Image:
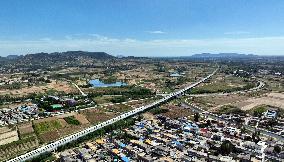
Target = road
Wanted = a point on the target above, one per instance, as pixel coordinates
(83, 94)
(54, 145)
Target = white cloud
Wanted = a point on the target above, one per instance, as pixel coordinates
(156, 32)
(157, 47)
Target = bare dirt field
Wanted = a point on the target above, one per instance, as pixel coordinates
(276, 95)
(49, 136)
(67, 130)
(57, 86)
(9, 140)
(4, 129)
(8, 136)
(66, 115)
(45, 119)
(63, 123)
(176, 112)
(82, 119)
(119, 108)
(25, 128)
(272, 99)
(213, 102)
(96, 115)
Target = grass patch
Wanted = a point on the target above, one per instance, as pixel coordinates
(230, 84)
(258, 110)
(45, 157)
(102, 99)
(47, 126)
(27, 135)
(119, 108)
(96, 116)
(229, 109)
(72, 120)
(158, 110)
(118, 99)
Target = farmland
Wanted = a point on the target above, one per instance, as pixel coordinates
(225, 84)
(47, 126)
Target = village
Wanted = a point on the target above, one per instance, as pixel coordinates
(159, 138)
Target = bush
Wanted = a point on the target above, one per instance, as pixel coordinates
(110, 80)
(43, 158)
(118, 99)
(127, 91)
(72, 120)
(258, 111)
(226, 148)
(156, 111)
(229, 109)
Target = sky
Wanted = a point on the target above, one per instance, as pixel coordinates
(142, 27)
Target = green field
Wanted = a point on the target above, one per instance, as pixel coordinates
(47, 126)
(228, 84)
(120, 108)
(229, 109)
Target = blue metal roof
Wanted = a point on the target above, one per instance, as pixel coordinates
(125, 159)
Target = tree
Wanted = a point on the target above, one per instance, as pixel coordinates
(259, 111)
(255, 136)
(226, 148)
(208, 123)
(196, 117)
(277, 149)
(243, 129)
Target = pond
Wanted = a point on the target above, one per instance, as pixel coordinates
(98, 83)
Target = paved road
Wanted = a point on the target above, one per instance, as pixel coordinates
(54, 145)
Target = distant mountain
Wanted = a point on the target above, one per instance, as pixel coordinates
(120, 56)
(57, 59)
(70, 54)
(12, 57)
(222, 55)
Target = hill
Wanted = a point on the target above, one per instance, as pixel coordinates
(12, 56)
(31, 62)
(222, 55)
(69, 55)
(56, 58)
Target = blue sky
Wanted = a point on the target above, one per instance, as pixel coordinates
(142, 27)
